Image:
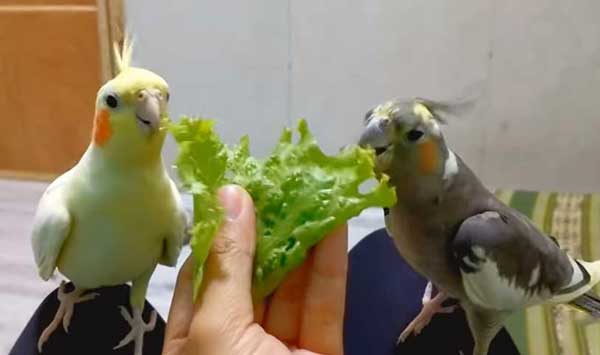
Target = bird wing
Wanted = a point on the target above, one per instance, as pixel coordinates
(174, 240)
(507, 263)
(51, 227)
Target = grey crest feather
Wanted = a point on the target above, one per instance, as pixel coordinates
(456, 107)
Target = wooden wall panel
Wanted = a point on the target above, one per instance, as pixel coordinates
(49, 75)
(111, 19)
(24, 3)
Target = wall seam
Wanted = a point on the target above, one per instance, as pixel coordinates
(488, 110)
(289, 63)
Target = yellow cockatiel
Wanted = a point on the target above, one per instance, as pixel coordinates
(116, 214)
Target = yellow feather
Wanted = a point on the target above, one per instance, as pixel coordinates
(123, 55)
(385, 110)
(422, 111)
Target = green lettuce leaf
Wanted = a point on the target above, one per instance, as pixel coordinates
(300, 194)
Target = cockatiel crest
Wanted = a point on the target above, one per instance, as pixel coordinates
(122, 56)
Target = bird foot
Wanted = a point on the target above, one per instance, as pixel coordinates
(430, 308)
(65, 311)
(138, 328)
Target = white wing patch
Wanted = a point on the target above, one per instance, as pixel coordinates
(487, 288)
(451, 166)
(479, 252)
(593, 269)
(577, 276)
(486, 216)
(535, 276)
(468, 261)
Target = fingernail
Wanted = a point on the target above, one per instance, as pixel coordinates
(231, 199)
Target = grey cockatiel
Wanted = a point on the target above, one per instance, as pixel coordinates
(455, 232)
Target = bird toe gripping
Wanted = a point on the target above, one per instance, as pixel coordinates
(65, 311)
(138, 328)
(430, 308)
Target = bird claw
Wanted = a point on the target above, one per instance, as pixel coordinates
(150, 325)
(88, 297)
(430, 308)
(138, 328)
(126, 315)
(447, 310)
(64, 313)
(61, 294)
(128, 338)
(66, 321)
(413, 327)
(71, 300)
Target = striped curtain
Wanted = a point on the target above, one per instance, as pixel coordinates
(574, 220)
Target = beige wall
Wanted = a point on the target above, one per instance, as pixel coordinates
(259, 65)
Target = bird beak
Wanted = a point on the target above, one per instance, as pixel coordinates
(148, 110)
(375, 135)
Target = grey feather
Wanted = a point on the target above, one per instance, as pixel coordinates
(456, 107)
(516, 246)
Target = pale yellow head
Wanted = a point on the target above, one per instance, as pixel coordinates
(129, 111)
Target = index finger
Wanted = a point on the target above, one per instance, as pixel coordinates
(322, 325)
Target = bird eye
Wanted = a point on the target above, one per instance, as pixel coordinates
(413, 135)
(111, 101)
(167, 96)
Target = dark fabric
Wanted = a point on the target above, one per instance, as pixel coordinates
(384, 294)
(96, 327)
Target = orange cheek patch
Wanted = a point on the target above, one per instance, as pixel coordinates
(428, 157)
(102, 130)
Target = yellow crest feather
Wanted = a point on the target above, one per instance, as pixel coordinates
(123, 55)
(422, 111)
(385, 110)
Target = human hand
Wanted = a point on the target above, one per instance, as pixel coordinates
(304, 316)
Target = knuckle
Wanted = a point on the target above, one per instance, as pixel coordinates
(224, 245)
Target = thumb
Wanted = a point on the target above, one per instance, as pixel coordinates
(224, 305)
